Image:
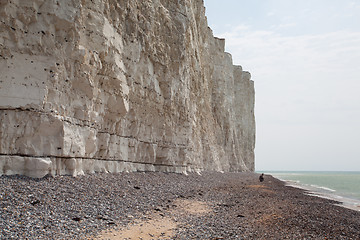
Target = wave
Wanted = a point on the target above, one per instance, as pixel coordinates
(311, 187)
(325, 192)
(323, 188)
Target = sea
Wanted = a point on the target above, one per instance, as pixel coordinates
(343, 187)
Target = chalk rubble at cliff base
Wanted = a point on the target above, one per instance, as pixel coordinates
(109, 86)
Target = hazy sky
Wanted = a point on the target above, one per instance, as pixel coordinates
(304, 56)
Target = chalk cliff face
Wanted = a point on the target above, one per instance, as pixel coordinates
(109, 86)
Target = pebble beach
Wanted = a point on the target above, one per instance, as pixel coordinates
(168, 206)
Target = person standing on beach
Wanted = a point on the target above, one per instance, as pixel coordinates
(261, 178)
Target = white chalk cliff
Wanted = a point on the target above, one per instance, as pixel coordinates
(109, 86)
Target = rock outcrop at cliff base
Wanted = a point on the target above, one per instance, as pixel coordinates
(110, 86)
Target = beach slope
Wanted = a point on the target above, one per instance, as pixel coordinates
(167, 206)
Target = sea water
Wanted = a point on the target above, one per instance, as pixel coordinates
(340, 186)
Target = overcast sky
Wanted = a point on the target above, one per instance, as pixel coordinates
(304, 56)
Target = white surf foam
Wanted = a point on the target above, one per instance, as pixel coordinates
(323, 188)
(327, 193)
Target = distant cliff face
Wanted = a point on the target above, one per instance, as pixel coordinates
(109, 86)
